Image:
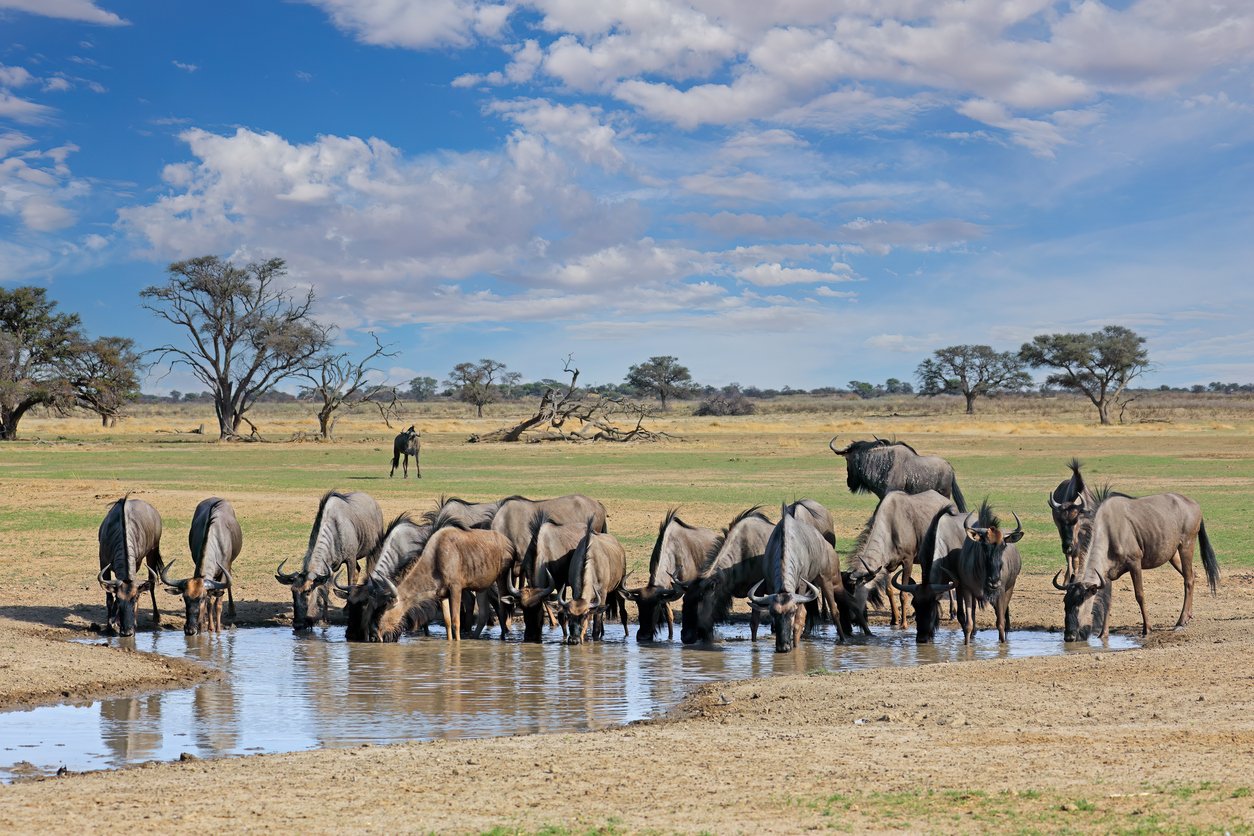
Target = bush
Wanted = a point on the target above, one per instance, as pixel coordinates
(726, 403)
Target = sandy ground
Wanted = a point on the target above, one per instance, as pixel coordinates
(1157, 737)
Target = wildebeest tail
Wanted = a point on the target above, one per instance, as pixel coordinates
(396, 456)
(958, 498)
(1209, 562)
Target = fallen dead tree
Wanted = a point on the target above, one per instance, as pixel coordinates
(574, 414)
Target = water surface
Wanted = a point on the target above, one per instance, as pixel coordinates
(285, 692)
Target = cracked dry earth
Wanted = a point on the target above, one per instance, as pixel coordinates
(1153, 738)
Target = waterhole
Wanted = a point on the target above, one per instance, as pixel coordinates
(283, 692)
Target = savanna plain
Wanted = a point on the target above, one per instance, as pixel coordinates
(1159, 738)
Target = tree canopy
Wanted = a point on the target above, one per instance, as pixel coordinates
(662, 376)
(476, 383)
(971, 371)
(1099, 364)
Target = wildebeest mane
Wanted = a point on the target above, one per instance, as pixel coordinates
(865, 534)
(671, 517)
(518, 497)
(986, 518)
(447, 519)
(322, 505)
(430, 516)
(707, 563)
(124, 546)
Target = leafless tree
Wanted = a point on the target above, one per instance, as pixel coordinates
(337, 383)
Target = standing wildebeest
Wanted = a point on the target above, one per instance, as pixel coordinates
(597, 570)
(677, 556)
(402, 544)
(215, 540)
(937, 559)
(471, 514)
(408, 443)
(1129, 536)
(515, 515)
(1066, 503)
(891, 539)
(454, 560)
(881, 466)
(130, 539)
(731, 567)
(543, 567)
(348, 527)
(796, 555)
(986, 570)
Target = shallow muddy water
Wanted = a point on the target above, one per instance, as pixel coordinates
(285, 693)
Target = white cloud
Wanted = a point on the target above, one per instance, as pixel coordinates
(82, 10)
(777, 275)
(37, 186)
(187, 68)
(22, 110)
(577, 127)
(417, 25)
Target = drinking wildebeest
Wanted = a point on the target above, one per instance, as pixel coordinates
(881, 466)
(408, 443)
(796, 555)
(731, 567)
(472, 514)
(515, 515)
(403, 543)
(348, 527)
(215, 540)
(544, 567)
(130, 540)
(937, 559)
(1130, 536)
(891, 539)
(455, 559)
(677, 556)
(597, 569)
(986, 570)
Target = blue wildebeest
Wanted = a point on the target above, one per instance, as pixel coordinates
(1129, 536)
(543, 568)
(215, 540)
(677, 556)
(454, 559)
(598, 567)
(408, 443)
(1066, 504)
(986, 569)
(403, 543)
(730, 569)
(891, 540)
(130, 545)
(881, 466)
(797, 557)
(348, 527)
(937, 559)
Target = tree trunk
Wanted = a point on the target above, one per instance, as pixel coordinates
(326, 424)
(663, 399)
(1103, 411)
(479, 410)
(970, 396)
(9, 419)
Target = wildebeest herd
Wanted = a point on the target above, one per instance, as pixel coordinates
(468, 564)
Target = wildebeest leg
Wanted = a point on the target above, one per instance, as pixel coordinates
(548, 615)
(906, 566)
(1140, 597)
(452, 615)
(962, 615)
(892, 609)
(1185, 568)
(798, 626)
(755, 619)
(953, 608)
(670, 621)
(417, 467)
(1002, 626)
(404, 465)
(829, 601)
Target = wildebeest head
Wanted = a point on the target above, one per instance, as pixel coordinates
(926, 598)
(578, 613)
(195, 592)
(364, 607)
(866, 462)
(305, 610)
(783, 608)
(1078, 604)
(989, 542)
(125, 592)
(1067, 505)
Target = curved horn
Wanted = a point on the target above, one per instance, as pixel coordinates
(1057, 585)
(832, 446)
(1054, 504)
(544, 591)
(218, 586)
(510, 589)
(285, 578)
(337, 587)
(759, 601)
(179, 585)
(1018, 532)
(896, 582)
(805, 599)
(111, 583)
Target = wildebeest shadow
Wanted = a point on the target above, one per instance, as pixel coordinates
(78, 617)
(365, 478)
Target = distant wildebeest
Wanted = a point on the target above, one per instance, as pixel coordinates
(455, 559)
(677, 556)
(986, 570)
(130, 544)
(1129, 536)
(215, 540)
(731, 567)
(891, 539)
(544, 566)
(348, 527)
(881, 466)
(597, 570)
(797, 557)
(408, 443)
(403, 543)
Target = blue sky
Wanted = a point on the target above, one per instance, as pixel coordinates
(800, 192)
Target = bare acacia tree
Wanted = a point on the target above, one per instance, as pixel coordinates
(245, 332)
(340, 384)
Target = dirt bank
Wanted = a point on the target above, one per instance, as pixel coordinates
(1162, 736)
